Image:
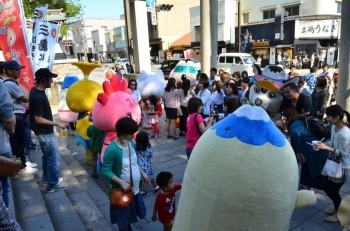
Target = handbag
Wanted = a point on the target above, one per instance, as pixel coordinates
(333, 166)
(120, 198)
(179, 111)
(9, 166)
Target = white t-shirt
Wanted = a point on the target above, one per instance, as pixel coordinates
(206, 100)
(136, 95)
(184, 100)
(136, 175)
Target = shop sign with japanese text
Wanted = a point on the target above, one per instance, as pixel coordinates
(327, 29)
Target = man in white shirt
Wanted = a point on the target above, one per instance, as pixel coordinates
(312, 60)
(279, 58)
(321, 59)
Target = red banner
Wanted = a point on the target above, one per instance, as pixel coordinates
(13, 41)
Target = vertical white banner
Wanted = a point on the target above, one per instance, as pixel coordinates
(272, 55)
(330, 56)
(44, 39)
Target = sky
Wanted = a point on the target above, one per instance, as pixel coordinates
(102, 8)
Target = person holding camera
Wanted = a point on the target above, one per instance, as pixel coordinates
(196, 125)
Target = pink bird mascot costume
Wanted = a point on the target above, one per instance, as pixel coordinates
(116, 102)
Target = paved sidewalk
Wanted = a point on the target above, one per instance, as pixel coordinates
(169, 155)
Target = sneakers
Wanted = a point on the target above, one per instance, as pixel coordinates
(58, 187)
(94, 175)
(30, 164)
(28, 170)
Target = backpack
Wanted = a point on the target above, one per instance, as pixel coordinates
(320, 128)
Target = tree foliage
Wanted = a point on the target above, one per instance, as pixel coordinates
(71, 8)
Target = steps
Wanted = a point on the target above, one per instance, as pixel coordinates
(81, 206)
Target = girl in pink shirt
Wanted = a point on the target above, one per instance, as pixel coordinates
(195, 123)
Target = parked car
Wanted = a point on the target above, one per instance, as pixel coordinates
(168, 66)
(122, 62)
(241, 62)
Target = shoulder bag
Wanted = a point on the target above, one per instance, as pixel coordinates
(120, 198)
(9, 166)
(333, 166)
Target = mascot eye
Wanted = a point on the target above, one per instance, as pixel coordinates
(272, 95)
(263, 90)
(257, 90)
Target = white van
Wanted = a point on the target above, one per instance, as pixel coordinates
(241, 62)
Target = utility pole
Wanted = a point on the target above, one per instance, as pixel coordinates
(128, 30)
(239, 24)
(205, 36)
(343, 94)
(214, 32)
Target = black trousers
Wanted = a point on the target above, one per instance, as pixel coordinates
(183, 119)
(18, 139)
(332, 190)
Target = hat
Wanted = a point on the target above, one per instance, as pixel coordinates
(227, 71)
(44, 72)
(12, 64)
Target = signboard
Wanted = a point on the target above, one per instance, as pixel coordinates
(272, 55)
(232, 35)
(330, 56)
(13, 40)
(154, 18)
(151, 3)
(317, 29)
(150, 9)
(261, 44)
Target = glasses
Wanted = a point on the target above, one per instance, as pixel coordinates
(132, 84)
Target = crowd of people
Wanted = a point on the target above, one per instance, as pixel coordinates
(127, 160)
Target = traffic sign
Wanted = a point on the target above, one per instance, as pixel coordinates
(151, 3)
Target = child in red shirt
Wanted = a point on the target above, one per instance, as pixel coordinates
(165, 201)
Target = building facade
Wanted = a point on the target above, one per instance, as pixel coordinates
(120, 42)
(82, 34)
(308, 28)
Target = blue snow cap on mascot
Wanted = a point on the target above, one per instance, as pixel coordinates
(242, 175)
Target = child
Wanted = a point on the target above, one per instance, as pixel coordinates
(165, 201)
(144, 154)
(96, 137)
(153, 117)
(231, 105)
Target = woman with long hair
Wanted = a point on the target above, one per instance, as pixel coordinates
(204, 94)
(132, 85)
(311, 161)
(184, 97)
(217, 98)
(340, 146)
(171, 95)
(195, 124)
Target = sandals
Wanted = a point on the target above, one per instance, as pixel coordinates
(331, 219)
(331, 211)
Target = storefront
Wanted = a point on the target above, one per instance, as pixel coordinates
(262, 50)
(318, 37)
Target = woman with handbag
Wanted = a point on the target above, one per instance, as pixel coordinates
(121, 169)
(184, 97)
(171, 95)
(339, 146)
(311, 161)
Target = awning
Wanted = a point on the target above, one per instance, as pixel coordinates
(281, 46)
(183, 41)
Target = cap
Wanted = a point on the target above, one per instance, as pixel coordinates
(44, 72)
(12, 64)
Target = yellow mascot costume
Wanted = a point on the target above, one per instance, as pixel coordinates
(242, 175)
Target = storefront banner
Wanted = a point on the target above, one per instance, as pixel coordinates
(13, 40)
(272, 55)
(330, 56)
(43, 43)
(316, 29)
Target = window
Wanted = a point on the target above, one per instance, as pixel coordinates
(246, 18)
(267, 14)
(238, 60)
(229, 59)
(339, 7)
(222, 59)
(292, 10)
